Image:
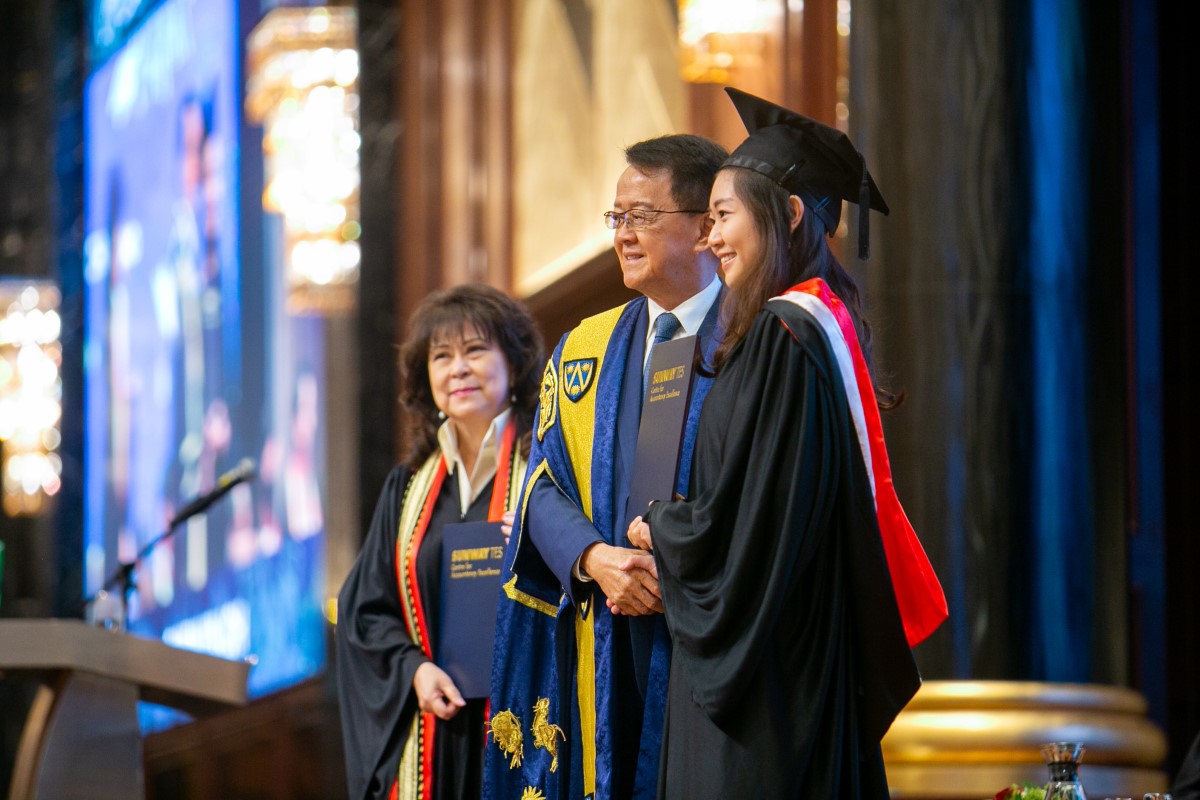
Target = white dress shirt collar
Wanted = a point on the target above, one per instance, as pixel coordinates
(471, 486)
(690, 312)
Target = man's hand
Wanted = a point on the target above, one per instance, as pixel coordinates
(639, 534)
(436, 692)
(627, 577)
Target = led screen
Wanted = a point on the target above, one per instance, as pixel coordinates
(192, 362)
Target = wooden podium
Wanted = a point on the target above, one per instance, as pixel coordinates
(81, 739)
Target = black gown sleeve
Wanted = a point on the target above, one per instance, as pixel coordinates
(726, 557)
(376, 658)
(779, 551)
(1187, 782)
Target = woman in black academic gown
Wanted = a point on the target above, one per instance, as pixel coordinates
(792, 582)
(470, 374)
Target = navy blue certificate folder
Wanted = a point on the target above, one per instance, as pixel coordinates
(472, 555)
(664, 415)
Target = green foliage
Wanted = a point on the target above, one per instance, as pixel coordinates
(1026, 791)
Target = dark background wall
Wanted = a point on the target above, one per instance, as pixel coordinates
(942, 297)
(1032, 295)
(1180, 555)
(997, 290)
(41, 210)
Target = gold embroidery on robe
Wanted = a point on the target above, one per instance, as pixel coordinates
(547, 400)
(545, 733)
(506, 732)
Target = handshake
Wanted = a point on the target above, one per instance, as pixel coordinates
(627, 575)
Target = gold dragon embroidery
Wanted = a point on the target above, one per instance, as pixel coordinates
(545, 734)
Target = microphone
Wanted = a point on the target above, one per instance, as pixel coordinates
(123, 576)
(244, 471)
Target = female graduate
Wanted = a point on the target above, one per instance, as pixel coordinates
(792, 582)
(470, 374)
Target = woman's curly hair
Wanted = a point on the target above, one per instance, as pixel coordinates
(447, 313)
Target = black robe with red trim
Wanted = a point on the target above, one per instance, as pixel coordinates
(789, 656)
(376, 657)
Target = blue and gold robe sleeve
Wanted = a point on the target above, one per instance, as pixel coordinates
(534, 745)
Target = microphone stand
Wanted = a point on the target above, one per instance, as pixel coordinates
(122, 576)
(107, 609)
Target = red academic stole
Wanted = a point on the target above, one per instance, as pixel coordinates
(918, 592)
(427, 483)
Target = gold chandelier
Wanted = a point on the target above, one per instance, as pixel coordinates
(30, 395)
(303, 90)
(718, 38)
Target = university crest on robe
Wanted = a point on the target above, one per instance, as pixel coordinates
(547, 401)
(577, 377)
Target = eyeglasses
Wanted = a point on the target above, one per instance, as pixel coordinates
(638, 218)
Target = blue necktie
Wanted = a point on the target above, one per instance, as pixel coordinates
(664, 328)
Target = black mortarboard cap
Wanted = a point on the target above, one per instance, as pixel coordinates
(811, 160)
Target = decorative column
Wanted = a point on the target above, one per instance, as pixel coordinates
(996, 291)
(930, 111)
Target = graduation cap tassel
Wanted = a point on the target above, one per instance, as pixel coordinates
(864, 216)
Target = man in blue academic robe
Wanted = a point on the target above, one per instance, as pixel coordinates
(577, 688)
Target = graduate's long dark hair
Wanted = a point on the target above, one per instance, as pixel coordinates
(449, 312)
(789, 257)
